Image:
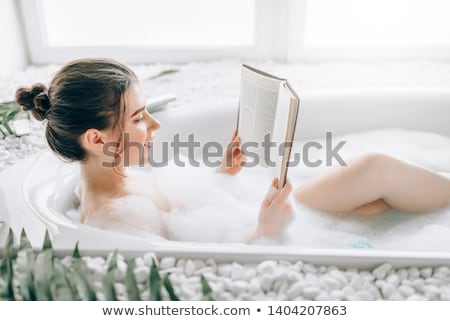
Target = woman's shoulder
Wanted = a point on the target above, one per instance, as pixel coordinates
(129, 213)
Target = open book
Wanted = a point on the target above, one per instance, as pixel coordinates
(268, 109)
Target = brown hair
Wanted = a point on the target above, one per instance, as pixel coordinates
(85, 93)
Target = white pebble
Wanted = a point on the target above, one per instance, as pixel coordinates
(396, 297)
(266, 267)
(211, 262)
(416, 297)
(339, 276)
(199, 264)
(149, 257)
(364, 295)
(406, 291)
(337, 294)
(295, 290)
(224, 270)
(249, 273)
(298, 266)
(141, 273)
(393, 280)
(120, 288)
(387, 290)
(309, 268)
(331, 283)
(311, 278)
(98, 260)
(356, 282)
(254, 286)
(441, 272)
(432, 292)
(402, 274)
(239, 286)
(181, 263)
(348, 290)
(203, 270)
(139, 261)
(189, 268)
(367, 276)
(311, 292)
(266, 282)
(445, 295)
(210, 276)
(381, 271)
(173, 270)
(435, 281)
(120, 271)
(167, 262)
(413, 272)
(237, 271)
(323, 296)
(280, 275)
(426, 272)
(419, 285)
(98, 272)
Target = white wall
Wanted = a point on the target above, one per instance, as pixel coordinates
(13, 55)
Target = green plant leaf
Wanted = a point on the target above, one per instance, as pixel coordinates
(155, 283)
(169, 288)
(6, 277)
(10, 115)
(25, 264)
(130, 282)
(43, 269)
(10, 242)
(163, 73)
(83, 281)
(109, 278)
(208, 294)
(108, 286)
(76, 252)
(47, 242)
(24, 242)
(2, 132)
(60, 288)
(113, 262)
(9, 111)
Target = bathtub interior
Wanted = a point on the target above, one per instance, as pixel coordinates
(49, 185)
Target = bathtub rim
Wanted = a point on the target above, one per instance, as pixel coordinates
(65, 238)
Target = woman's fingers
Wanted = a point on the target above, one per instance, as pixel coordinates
(234, 135)
(283, 193)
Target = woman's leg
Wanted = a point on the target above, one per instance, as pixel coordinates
(374, 183)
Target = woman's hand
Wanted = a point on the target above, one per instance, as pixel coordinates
(233, 156)
(276, 212)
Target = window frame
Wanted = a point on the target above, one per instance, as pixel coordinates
(41, 53)
(275, 22)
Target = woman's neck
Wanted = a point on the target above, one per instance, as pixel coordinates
(101, 179)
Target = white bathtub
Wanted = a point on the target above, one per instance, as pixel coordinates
(35, 193)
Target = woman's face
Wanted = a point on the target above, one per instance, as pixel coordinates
(139, 127)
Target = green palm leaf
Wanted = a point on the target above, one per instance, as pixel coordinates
(131, 284)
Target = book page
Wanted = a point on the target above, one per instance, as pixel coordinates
(283, 131)
(257, 105)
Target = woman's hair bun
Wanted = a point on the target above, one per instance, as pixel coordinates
(34, 99)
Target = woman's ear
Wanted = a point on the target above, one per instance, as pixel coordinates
(93, 140)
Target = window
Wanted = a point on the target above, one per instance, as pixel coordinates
(374, 29)
(149, 23)
(377, 23)
(141, 31)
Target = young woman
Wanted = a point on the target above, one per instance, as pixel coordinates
(92, 104)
